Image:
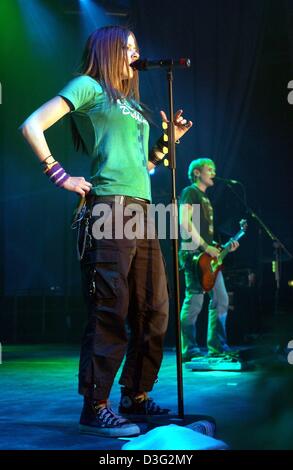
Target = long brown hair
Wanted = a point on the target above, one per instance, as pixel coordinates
(103, 59)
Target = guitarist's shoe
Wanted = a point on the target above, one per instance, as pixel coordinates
(229, 351)
(187, 357)
(225, 356)
(234, 353)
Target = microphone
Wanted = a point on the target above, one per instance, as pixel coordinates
(146, 64)
(224, 180)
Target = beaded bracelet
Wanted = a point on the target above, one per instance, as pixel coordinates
(44, 162)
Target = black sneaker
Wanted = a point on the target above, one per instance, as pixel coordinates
(133, 408)
(224, 356)
(102, 421)
(189, 356)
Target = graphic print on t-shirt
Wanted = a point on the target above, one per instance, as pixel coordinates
(128, 110)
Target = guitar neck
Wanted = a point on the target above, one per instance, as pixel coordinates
(228, 245)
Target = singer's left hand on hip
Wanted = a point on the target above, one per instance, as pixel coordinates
(181, 125)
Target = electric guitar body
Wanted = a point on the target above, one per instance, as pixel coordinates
(208, 267)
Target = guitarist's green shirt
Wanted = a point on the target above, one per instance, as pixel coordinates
(193, 195)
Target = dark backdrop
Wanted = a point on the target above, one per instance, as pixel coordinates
(236, 95)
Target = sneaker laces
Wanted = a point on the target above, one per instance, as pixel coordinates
(108, 417)
(149, 405)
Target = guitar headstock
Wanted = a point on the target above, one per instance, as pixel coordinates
(243, 224)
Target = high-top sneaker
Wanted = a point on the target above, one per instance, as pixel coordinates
(102, 421)
(137, 407)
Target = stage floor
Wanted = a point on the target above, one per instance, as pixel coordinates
(40, 406)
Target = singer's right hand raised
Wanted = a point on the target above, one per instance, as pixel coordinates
(77, 184)
(212, 251)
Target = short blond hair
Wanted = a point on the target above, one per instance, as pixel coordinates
(198, 164)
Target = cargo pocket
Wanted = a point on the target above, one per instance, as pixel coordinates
(103, 277)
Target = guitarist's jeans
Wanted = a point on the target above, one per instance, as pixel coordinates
(191, 308)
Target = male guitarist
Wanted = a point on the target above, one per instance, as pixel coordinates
(193, 199)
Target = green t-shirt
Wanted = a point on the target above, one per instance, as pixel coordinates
(116, 137)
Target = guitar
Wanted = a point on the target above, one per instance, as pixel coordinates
(208, 267)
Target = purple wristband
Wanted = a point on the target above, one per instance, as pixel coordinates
(56, 167)
(61, 180)
(57, 175)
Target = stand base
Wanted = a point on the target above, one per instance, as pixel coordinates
(201, 423)
(187, 420)
(193, 432)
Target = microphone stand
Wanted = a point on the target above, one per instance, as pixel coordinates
(174, 230)
(277, 245)
(181, 418)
